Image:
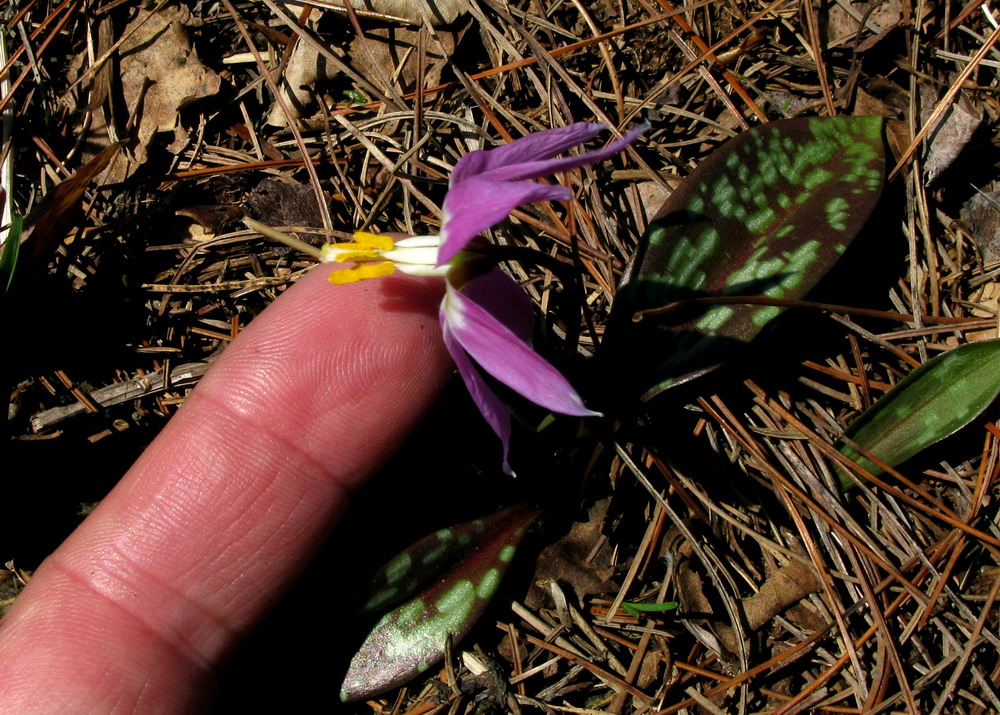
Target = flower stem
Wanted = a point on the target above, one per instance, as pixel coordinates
(282, 237)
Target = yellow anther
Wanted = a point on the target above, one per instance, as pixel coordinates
(364, 247)
(373, 241)
(362, 271)
(350, 255)
(375, 255)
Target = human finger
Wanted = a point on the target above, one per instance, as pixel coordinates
(228, 503)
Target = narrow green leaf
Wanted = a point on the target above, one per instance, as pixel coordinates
(11, 250)
(767, 214)
(634, 609)
(932, 402)
(411, 638)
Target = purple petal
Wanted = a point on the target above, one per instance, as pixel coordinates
(539, 145)
(508, 358)
(500, 296)
(476, 200)
(493, 410)
(548, 167)
(476, 204)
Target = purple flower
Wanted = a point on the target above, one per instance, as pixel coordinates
(487, 325)
(486, 319)
(487, 185)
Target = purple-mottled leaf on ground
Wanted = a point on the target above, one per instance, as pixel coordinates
(767, 214)
(465, 563)
(423, 561)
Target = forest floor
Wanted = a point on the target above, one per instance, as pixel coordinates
(322, 121)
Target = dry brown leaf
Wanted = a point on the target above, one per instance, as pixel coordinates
(160, 74)
(842, 25)
(952, 133)
(869, 104)
(46, 226)
(784, 588)
(213, 218)
(439, 12)
(788, 103)
(277, 202)
(305, 67)
(380, 53)
(981, 216)
(987, 299)
(650, 670)
(377, 56)
(567, 561)
(100, 86)
(653, 195)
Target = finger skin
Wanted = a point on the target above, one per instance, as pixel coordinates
(224, 508)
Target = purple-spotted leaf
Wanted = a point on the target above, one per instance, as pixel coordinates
(932, 402)
(423, 561)
(464, 565)
(767, 214)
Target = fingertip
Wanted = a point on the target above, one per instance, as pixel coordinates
(226, 506)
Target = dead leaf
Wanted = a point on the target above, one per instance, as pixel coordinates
(383, 49)
(946, 141)
(783, 588)
(567, 561)
(439, 12)
(46, 226)
(650, 670)
(868, 104)
(981, 216)
(305, 67)
(100, 86)
(788, 103)
(284, 203)
(842, 26)
(987, 305)
(160, 74)
(653, 194)
(385, 54)
(213, 218)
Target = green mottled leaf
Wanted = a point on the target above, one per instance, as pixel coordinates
(409, 571)
(411, 638)
(932, 402)
(767, 214)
